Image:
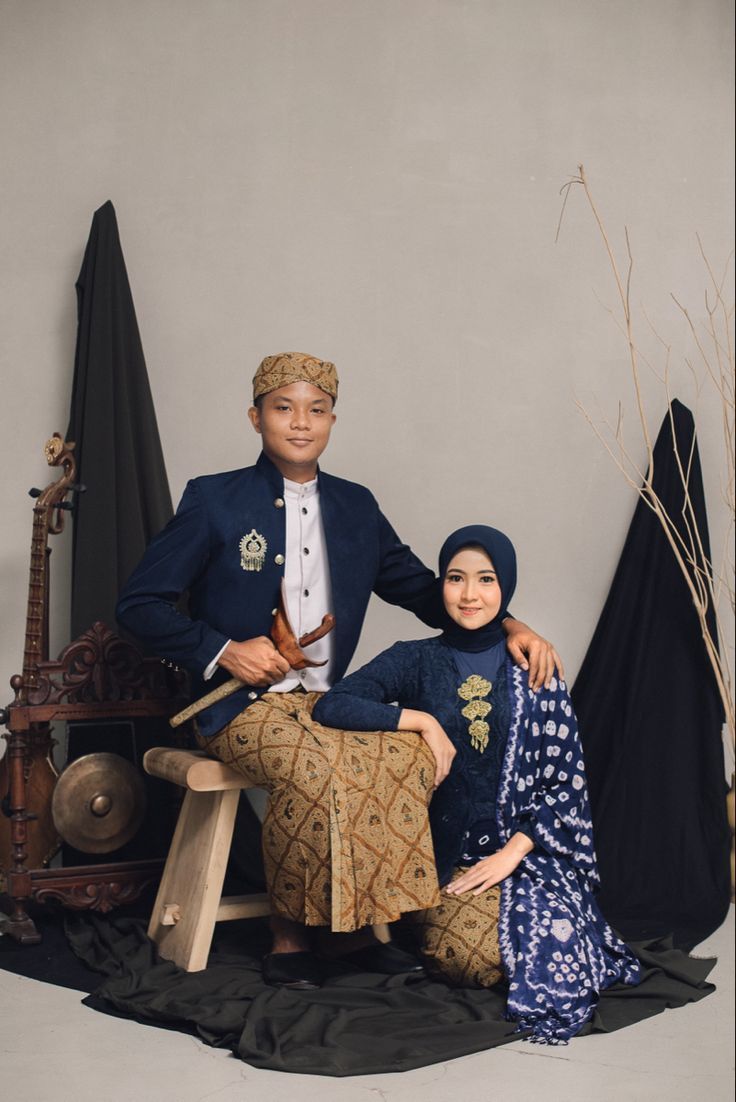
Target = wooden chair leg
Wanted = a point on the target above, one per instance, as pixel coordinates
(185, 911)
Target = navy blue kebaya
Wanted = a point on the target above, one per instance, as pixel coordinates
(521, 771)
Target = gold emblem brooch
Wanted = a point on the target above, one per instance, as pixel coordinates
(253, 549)
(472, 690)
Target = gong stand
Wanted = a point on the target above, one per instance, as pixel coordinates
(96, 677)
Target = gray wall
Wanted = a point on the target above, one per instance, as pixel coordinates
(376, 182)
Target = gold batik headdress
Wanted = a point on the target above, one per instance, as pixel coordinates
(294, 367)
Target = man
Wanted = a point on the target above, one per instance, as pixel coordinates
(339, 849)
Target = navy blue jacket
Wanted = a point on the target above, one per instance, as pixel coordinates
(199, 552)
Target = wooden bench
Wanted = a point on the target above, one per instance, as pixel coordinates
(189, 900)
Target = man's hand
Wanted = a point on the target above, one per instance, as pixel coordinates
(254, 661)
(434, 736)
(492, 870)
(532, 652)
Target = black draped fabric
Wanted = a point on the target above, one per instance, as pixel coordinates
(127, 500)
(113, 424)
(650, 718)
(357, 1023)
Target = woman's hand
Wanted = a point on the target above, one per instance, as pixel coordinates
(532, 652)
(492, 870)
(434, 736)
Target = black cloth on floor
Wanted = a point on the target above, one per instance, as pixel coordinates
(356, 1024)
(650, 720)
(52, 960)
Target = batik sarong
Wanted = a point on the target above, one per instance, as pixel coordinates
(346, 838)
(459, 937)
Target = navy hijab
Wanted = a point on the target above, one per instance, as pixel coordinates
(500, 550)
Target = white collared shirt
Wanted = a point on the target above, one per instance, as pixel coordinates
(307, 586)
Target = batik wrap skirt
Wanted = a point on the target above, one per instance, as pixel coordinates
(346, 837)
(459, 937)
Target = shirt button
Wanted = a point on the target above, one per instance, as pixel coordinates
(305, 511)
(252, 696)
(279, 560)
(306, 550)
(279, 503)
(306, 592)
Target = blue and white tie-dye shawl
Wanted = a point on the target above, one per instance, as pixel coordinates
(558, 951)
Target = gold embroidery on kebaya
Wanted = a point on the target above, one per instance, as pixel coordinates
(474, 686)
(476, 709)
(472, 689)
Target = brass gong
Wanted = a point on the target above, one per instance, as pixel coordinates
(99, 803)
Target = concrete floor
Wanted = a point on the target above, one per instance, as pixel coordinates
(53, 1048)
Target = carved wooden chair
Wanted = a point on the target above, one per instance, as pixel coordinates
(97, 677)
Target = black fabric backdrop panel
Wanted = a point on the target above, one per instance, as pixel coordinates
(650, 720)
(113, 424)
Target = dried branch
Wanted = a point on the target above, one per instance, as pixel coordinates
(706, 582)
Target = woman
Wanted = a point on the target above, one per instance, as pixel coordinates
(510, 817)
